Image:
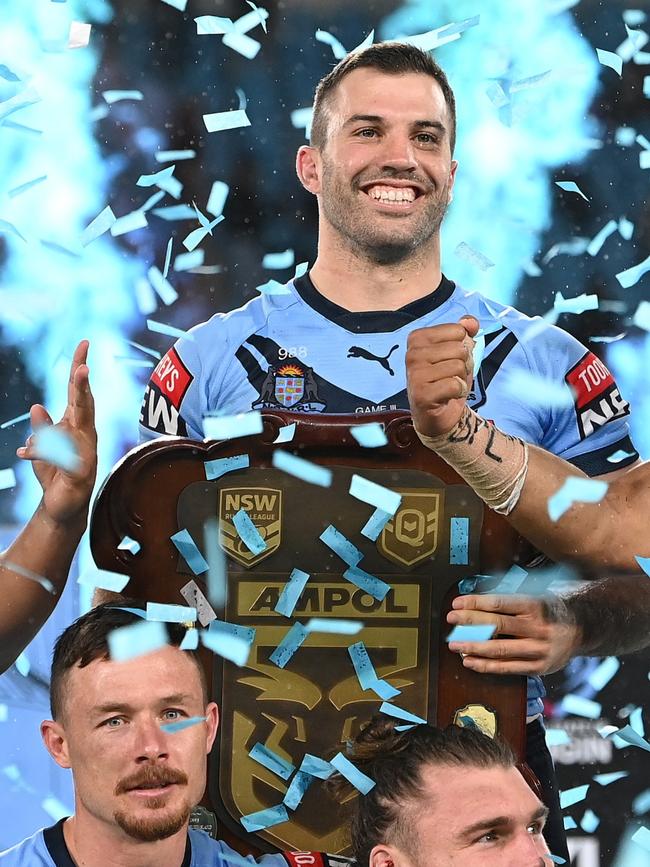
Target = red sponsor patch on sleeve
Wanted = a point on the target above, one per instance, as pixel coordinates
(304, 859)
(589, 378)
(172, 377)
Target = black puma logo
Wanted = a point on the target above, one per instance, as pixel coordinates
(360, 352)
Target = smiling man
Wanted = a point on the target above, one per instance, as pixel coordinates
(380, 165)
(135, 782)
(442, 798)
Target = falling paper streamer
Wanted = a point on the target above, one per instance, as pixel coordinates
(186, 547)
(22, 188)
(272, 761)
(599, 678)
(370, 584)
(557, 737)
(159, 611)
(187, 261)
(127, 642)
(103, 579)
(575, 305)
(472, 632)
(273, 287)
(399, 713)
(229, 640)
(571, 187)
(589, 822)
(248, 532)
(575, 490)
(569, 797)
(289, 645)
(224, 120)
(302, 469)
(176, 4)
(464, 251)
(375, 524)
(45, 583)
(644, 563)
(12, 421)
(296, 791)
(338, 50)
(102, 223)
(220, 466)
(341, 546)
(162, 286)
(192, 594)
(286, 433)
(7, 479)
(316, 767)
(56, 447)
(190, 640)
(578, 705)
(182, 724)
(333, 625)
(441, 35)
(244, 45)
(370, 436)
(227, 427)
(599, 239)
(129, 223)
(376, 495)
(112, 96)
(511, 581)
(610, 59)
(632, 275)
(217, 198)
(265, 818)
(278, 261)
(641, 317)
(195, 237)
(291, 592)
(172, 156)
(352, 774)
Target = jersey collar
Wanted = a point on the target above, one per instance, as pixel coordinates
(372, 320)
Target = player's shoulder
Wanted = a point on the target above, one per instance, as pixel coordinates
(207, 852)
(249, 316)
(31, 852)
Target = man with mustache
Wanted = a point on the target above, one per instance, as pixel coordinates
(135, 781)
(380, 165)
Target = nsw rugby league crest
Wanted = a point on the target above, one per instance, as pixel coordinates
(290, 385)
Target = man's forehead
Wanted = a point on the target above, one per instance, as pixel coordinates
(371, 91)
(474, 788)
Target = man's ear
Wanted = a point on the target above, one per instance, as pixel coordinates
(387, 856)
(55, 741)
(212, 720)
(452, 180)
(308, 168)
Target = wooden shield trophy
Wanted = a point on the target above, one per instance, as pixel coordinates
(440, 534)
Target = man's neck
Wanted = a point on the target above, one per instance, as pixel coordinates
(93, 843)
(356, 283)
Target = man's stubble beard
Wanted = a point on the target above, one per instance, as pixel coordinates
(158, 827)
(360, 231)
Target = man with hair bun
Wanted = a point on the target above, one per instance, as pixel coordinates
(443, 797)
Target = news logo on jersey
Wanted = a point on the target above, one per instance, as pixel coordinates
(164, 394)
(597, 398)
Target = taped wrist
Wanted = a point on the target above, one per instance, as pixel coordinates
(493, 463)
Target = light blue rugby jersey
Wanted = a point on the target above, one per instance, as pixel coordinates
(47, 848)
(301, 352)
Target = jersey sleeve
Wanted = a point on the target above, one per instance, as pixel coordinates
(590, 426)
(185, 383)
(289, 859)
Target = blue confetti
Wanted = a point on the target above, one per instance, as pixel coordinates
(102, 223)
(56, 809)
(168, 258)
(171, 156)
(265, 818)
(286, 433)
(302, 469)
(182, 724)
(578, 705)
(127, 642)
(371, 435)
(370, 584)
(129, 223)
(569, 797)
(22, 663)
(213, 25)
(187, 261)
(268, 759)
(7, 479)
(575, 489)
(248, 532)
(186, 547)
(220, 466)
(289, 644)
(556, 859)
(627, 735)
(155, 179)
(577, 305)
(341, 546)
(632, 275)
(217, 198)
(557, 737)
(642, 837)
(273, 287)
(599, 239)
(56, 447)
(162, 286)
(376, 495)
(296, 791)
(641, 804)
(459, 541)
(229, 640)
(12, 421)
(336, 627)
(159, 611)
(474, 257)
(589, 822)
(217, 577)
(223, 120)
(112, 96)
(227, 427)
(104, 580)
(610, 59)
(22, 188)
(45, 583)
(366, 673)
(571, 187)
(512, 580)
(471, 632)
(611, 777)
(278, 261)
(316, 767)
(352, 774)
(400, 713)
(129, 544)
(172, 213)
(291, 592)
(301, 269)
(599, 678)
(618, 456)
(538, 390)
(190, 640)
(338, 50)
(375, 524)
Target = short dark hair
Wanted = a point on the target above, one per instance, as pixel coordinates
(86, 639)
(392, 58)
(395, 761)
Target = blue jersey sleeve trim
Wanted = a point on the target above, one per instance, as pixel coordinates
(596, 464)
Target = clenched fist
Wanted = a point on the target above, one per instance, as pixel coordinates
(439, 369)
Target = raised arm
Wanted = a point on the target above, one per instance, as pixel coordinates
(512, 477)
(45, 547)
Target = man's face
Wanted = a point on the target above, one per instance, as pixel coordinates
(470, 816)
(127, 771)
(386, 168)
